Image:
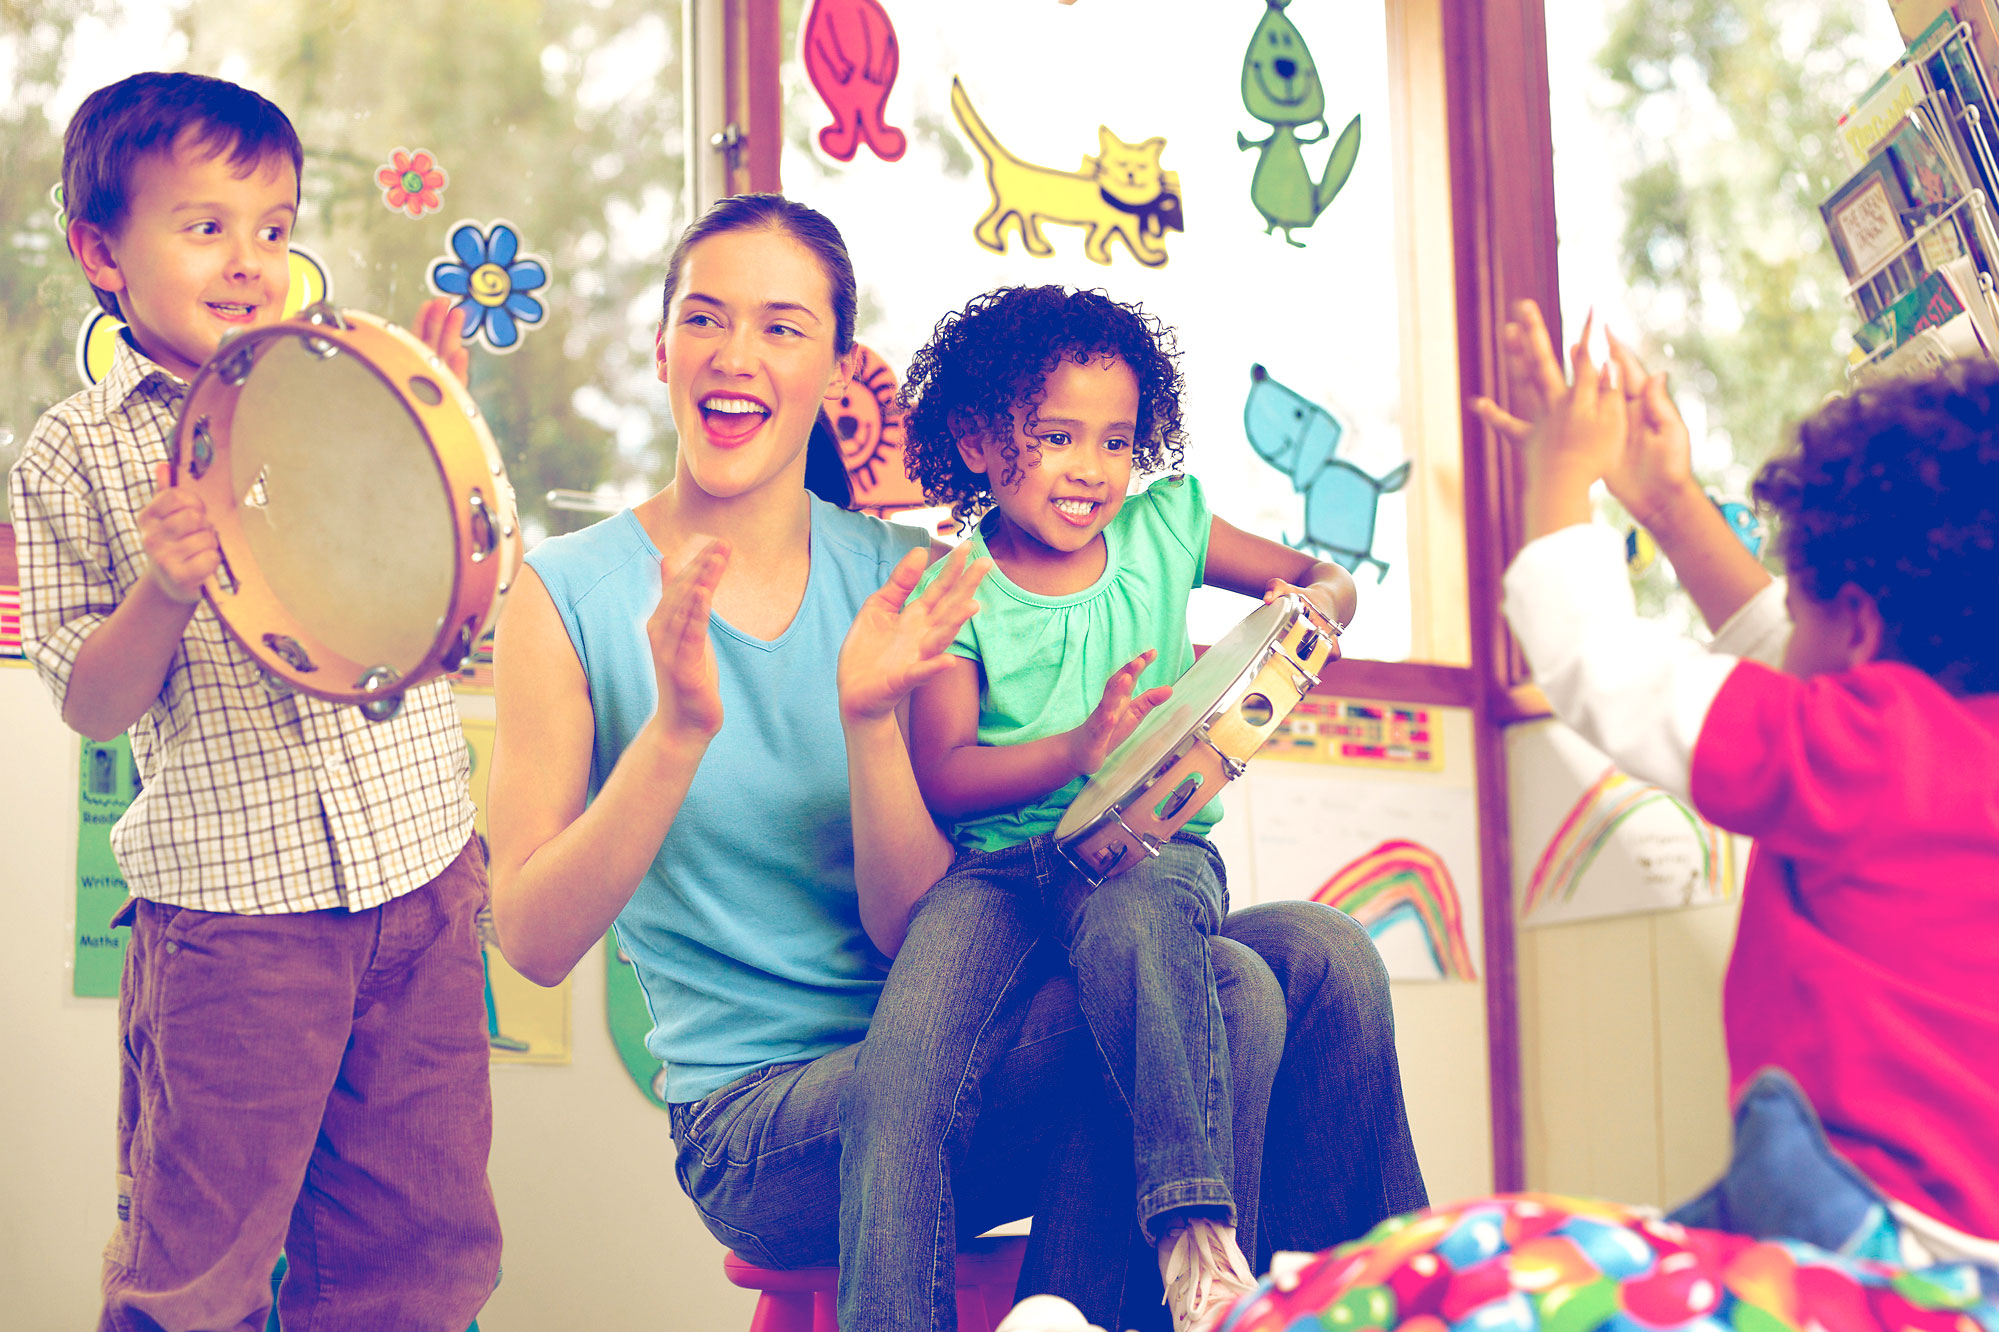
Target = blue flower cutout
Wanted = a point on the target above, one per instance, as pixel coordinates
(491, 280)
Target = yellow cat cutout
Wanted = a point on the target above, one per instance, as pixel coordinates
(97, 340)
(1120, 193)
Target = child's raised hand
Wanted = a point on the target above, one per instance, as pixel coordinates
(690, 690)
(440, 326)
(1117, 715)
(896, 644)
(1575, 431)
(182, 550)
(1656, 468)
(1527, 359)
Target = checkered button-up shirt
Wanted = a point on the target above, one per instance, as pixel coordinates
(253, 801)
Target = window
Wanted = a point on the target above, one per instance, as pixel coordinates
(564, 120)
(1339, 318)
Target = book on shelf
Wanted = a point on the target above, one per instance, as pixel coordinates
(1936, 301)
(1915, 19)
(1879, 110)
(1924, 354)
(1880, 219)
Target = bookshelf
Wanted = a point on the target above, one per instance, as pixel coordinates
(1913, 225)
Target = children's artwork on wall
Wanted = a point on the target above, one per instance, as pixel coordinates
(1403, 883)
(97, 340)
(1121, 193)
(412, 182)
(1395, 847)
(849, 52)
(1298, 437)
(1281, 88)
(1591, 842)
(525, 1023)
(868, 425)
(1389, 736)
(10, 599)
(489, 278)
(107, 785)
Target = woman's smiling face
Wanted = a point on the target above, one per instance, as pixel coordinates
(748, 353)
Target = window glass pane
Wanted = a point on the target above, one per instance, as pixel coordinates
(1693, 145)
(561, 118)
(1321, 315)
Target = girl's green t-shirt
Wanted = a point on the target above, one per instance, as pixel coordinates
(1045, 660)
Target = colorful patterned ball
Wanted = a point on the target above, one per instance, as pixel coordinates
(1542, 1263)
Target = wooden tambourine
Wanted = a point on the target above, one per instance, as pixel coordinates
(1190, 746)
(367, 528)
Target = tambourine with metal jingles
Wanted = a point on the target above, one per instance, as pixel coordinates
(1189, 747)
(367, 528)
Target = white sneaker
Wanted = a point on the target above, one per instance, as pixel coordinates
(1045, 1313)
(1205, 1273)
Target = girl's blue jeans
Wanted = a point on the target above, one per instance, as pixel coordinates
(840, 1158)
(1138, 947)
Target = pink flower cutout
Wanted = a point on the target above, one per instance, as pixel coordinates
(412, 182)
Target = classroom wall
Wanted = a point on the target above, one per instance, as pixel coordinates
(598, 1233)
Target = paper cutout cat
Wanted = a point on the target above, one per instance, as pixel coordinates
(868, 427)
(1122, 193)
(1297, 436)
(1281, 88)
(849, 51)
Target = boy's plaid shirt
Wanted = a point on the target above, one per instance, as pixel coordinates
(253, 801)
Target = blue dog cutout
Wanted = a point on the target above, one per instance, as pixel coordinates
(1298, 437)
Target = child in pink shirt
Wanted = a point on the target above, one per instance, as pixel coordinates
(1850, 723)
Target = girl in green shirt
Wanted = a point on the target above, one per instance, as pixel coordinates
(1029, 411)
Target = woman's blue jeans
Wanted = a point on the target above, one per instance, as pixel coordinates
(1041, 1133)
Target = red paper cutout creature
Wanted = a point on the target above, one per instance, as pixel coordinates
(849, 51)
(868, 424)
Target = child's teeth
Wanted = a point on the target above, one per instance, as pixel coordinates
(731, 405)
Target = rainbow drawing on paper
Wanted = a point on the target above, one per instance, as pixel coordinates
(1593, 821)
(1404, 881)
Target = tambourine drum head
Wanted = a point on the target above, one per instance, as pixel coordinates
(1195, 695)
(342, 505)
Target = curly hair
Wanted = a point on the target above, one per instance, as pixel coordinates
(1895, 490)
(994, 356)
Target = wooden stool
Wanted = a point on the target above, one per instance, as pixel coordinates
(802, 1300)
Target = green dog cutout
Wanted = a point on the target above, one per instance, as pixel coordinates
(1281, 88)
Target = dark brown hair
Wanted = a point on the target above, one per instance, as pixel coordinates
(1895, 491)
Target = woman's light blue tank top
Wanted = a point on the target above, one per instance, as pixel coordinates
(746, 930)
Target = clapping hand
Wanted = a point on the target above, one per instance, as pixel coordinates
(1575, 430)
(896, 644)
(690, 692)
